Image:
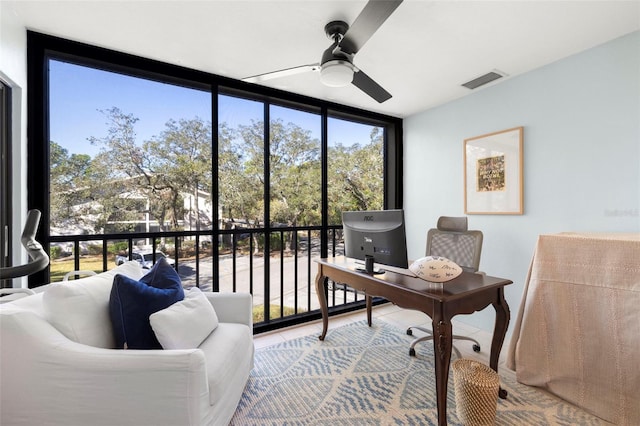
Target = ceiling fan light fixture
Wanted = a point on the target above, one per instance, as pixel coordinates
(336, 73)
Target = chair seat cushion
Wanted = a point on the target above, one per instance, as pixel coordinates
(185, 324)
(132, 302)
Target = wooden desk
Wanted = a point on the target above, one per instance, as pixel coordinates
(466, 294)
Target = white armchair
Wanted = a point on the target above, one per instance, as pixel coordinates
(49, 379)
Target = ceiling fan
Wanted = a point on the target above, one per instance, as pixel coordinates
(336, 66)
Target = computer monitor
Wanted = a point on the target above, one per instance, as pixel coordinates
(376, 233)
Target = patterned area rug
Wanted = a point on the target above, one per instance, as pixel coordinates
(364, 376)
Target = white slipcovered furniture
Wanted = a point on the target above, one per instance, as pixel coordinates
(58, 366)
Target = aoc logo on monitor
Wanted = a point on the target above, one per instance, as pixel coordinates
(368, 218)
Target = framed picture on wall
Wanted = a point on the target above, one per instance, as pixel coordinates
(493, 178)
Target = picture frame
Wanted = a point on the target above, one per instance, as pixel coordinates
(493, 175)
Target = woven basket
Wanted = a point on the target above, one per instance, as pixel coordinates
(476, 387)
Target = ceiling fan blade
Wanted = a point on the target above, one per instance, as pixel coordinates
(370, 87)
(366, 24)
(282, 73)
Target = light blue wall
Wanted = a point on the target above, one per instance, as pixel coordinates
(581, 119)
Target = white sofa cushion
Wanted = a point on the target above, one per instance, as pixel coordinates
(185, 324)
(79, 309)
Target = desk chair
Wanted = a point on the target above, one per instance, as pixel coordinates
(453, 240)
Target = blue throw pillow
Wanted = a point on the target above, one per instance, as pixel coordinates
(132, 302)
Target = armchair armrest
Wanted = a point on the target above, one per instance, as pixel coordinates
(232, 307)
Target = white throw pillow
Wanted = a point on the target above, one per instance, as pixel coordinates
(79, 309)
(185, 324)
(436, 269)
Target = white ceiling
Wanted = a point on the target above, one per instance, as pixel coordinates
(421, 54)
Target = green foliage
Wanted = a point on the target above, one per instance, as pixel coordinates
(54, 252)
(275, 241)
(119, 247)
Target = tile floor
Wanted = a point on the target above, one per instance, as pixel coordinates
(394, 315)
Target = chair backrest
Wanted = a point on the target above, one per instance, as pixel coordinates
(452, 239)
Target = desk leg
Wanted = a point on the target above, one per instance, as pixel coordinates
(499, 332)
(442, 344)
(369, 303)
(321, 283)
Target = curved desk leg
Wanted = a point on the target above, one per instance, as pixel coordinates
(442, 344)
(499, 332)
(321, 285)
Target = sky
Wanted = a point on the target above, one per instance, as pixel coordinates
(78, 95)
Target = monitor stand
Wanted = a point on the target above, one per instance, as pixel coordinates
(371, 270)
(376, 271)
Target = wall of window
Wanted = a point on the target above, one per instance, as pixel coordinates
(220, 176)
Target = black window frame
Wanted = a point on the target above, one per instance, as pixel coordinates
(41, 48)
(6, 193)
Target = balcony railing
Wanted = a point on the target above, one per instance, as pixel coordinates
(282, 283)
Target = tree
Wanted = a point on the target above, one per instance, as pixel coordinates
(69, 180)
(356, 176)
(295, 175)
(296, 185)
(159, 170)
(120, 165)
(241, 173)
(185, 162)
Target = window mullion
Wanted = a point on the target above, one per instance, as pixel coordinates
(267, 210)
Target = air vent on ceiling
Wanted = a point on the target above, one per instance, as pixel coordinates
(483, 79)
